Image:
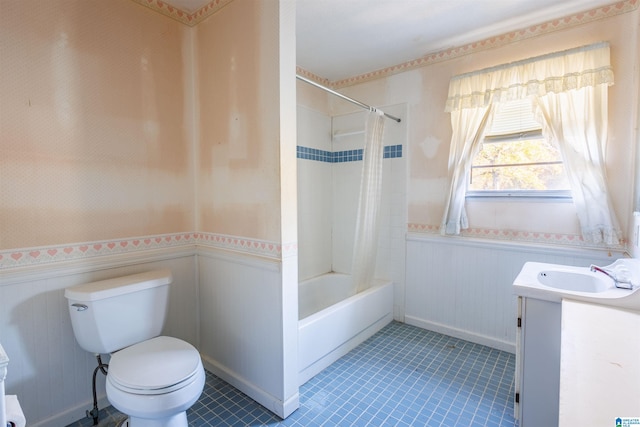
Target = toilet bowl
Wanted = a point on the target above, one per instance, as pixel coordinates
(155, 382)
(151, 378)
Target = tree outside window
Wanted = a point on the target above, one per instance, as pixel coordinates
(515, 159)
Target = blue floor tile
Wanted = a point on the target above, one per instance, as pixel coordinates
(402, 376)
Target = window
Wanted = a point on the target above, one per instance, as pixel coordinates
(571, 90)
(515, 160)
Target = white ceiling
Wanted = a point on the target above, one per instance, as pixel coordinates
(337, 39)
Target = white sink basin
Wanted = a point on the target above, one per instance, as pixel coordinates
(555, 282)
(575, 281)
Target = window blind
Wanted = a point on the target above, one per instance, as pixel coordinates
(513, 117)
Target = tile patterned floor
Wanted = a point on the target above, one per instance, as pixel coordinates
(402, 376)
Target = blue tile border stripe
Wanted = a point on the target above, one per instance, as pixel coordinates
(307, 153)
(347, 156)
(392, 151)
(314, 154)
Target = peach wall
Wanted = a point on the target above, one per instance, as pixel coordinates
(238, 153)
(94, 139)
(312, 97)
(425, 89)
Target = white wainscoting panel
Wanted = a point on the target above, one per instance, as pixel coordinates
(243, 327)
(49, 372)
(463, 287)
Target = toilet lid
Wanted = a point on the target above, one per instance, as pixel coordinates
(159, 365)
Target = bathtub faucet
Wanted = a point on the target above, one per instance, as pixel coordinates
(622, 284)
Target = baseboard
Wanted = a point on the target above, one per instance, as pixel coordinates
(279, 407)
(462, 334)
(71, 415)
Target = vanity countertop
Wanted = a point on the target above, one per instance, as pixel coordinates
(528, 284)
(599, 364)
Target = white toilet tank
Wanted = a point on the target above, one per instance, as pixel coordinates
(113, 314)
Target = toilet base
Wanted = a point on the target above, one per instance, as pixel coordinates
(157, 410)
(177, 420)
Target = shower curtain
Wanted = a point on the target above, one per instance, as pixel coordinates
(367, 221)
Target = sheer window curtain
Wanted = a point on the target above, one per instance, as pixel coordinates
(469, 125)
(569, 93)
(576, 121)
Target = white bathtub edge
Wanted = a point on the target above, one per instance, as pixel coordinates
(326, 336)
(318, 366)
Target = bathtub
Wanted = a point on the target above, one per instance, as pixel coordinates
(333, 321)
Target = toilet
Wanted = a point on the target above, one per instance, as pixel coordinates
(151, 378)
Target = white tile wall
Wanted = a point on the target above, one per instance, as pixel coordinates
(346, 178)
(314, 196)
(328, 197)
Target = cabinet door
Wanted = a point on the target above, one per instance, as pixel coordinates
(540, 387)
(518, 376)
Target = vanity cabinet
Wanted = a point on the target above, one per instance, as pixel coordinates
(538, 362)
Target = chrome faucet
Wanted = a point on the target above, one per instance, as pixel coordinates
(622, 284)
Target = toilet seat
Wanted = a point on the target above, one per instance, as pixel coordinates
(157, 366)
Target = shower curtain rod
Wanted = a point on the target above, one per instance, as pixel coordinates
(358, 103)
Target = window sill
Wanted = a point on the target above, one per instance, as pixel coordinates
(532, 196)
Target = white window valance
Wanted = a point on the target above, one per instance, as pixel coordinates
(568, 94)
(552, 73)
